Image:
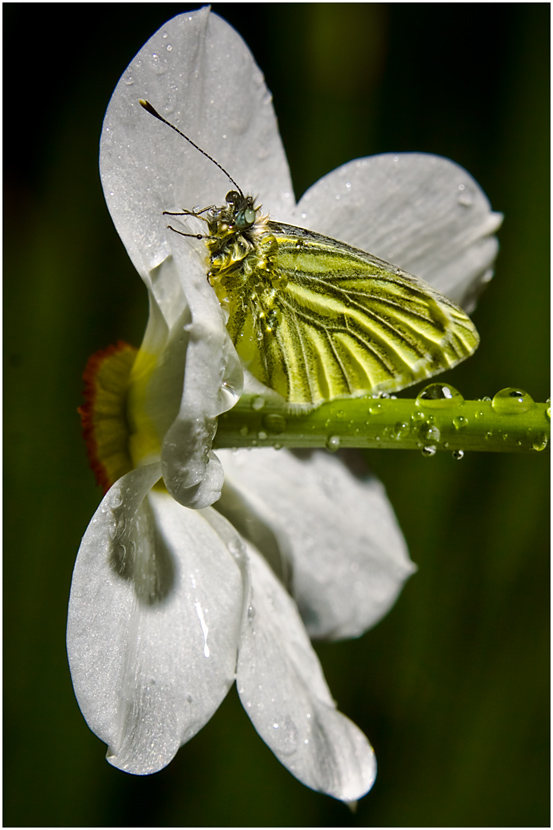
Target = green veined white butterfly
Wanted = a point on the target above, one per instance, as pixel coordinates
(316, 319)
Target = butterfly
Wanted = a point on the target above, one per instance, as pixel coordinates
(314, 318)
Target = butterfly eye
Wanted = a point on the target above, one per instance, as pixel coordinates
(245, 218)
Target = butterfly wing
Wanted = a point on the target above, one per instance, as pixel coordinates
(315, 319)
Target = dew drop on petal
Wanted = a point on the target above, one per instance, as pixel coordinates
(465, 196)
(230, 394)
(285, 736)
(158, 63)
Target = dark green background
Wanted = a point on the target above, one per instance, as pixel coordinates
(453, 686)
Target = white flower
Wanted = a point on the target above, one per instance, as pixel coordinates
(169, 605)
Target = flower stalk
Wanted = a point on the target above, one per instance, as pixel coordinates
(508, 423)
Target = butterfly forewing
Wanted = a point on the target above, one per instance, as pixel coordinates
(315, 319)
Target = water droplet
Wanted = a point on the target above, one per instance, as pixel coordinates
(458, 454)
(509, 401)
(429, 433)
(400, 430)
(158, 63)
(285, 736)
(333, 443)
(374, 408)
(251, 612)
(274, 423)
(540, 442)
(460, 422)
(465, 195)
(439, 396)
(244, 431)
(428, 452)
(229, 393)
(258, 402)
(116, 499)
(262, 436)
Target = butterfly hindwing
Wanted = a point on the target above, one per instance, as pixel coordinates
(315, 319)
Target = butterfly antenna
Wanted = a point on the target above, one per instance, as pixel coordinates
(148, 107)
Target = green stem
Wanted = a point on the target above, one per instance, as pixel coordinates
(506, 424)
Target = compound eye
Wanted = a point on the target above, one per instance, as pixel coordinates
(232, 197)
(245, 218)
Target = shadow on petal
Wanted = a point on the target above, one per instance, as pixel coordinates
(140, 555)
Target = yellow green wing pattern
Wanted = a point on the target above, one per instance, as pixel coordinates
(315, 319)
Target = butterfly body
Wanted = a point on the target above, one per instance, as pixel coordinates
(315, 319)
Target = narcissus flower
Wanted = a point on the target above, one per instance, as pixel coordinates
(173, 599)
(170, 605)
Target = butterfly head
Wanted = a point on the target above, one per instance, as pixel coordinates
(241, 209)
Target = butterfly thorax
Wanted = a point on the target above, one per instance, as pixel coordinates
(239, 242)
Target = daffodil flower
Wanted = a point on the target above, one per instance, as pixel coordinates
(174, 599)
(169, 605)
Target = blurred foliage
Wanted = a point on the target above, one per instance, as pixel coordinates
(453, 686)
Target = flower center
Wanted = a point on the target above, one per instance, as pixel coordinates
(103, 414)
(117, 431)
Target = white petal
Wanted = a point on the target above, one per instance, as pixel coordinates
(199, 74)
(156, 382)
(154, 616)
(421, 212)
(212, 384)
(284, 692)
(347, 556)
